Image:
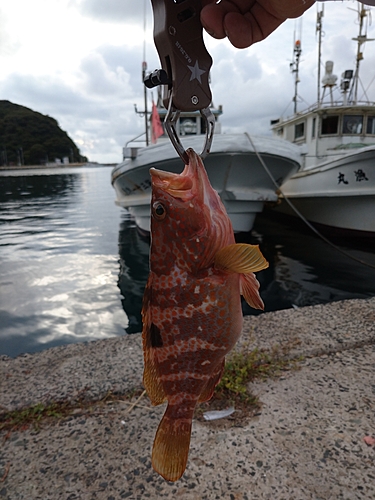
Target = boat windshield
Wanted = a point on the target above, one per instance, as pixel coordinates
(352, 124)
(330, 125)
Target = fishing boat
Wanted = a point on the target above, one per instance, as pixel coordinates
(233, 167)
(335, 187)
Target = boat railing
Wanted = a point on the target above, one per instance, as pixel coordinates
(325, 105)
(137, 139)
(343, 104)
(130, 150)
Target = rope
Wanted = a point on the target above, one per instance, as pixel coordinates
(298, 213)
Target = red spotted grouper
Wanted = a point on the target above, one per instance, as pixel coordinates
(192, 314)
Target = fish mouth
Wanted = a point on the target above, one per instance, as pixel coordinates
(183, 186)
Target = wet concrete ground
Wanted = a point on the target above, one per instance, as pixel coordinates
(305, 443)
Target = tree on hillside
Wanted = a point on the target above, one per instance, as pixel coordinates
(32, 137)
(36, 155)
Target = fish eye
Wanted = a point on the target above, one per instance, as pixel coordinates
(159, 210)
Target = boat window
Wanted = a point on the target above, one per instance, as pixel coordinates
(330, 125)
(370, 125)
(313, 127)
(299, 130)
(188, 126)
(352, 124)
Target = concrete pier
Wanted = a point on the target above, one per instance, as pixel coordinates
(306, 442)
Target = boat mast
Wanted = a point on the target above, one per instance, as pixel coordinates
(319, 26)
(319, 29)
(295, 69)
(361, 39)
(144, 68)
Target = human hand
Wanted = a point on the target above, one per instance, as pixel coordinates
(245, 22)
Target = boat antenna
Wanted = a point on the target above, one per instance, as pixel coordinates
(294, 66)
(144, 69)
(319, 30)
(361, 39)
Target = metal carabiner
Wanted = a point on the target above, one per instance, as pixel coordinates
(185, 66)
(170, 123)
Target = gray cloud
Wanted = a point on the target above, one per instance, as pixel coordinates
(98, 111)
(130, 60)
(95, 104)
(42, 94)
(114, 11)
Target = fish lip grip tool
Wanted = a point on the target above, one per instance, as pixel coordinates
(185, 67)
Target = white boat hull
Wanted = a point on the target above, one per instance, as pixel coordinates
(339, 193)
(233, 168)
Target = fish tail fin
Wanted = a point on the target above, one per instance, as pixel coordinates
(172, 442)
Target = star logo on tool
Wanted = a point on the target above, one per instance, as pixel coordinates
(196, 72)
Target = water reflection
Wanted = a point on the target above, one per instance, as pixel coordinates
(59, 260)
(22, 187)
(134, 266)
(303, 270)
(61, 303)
(73, 267)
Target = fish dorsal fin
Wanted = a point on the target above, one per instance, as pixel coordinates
(240, 258)
(250, 291)
(151, 379)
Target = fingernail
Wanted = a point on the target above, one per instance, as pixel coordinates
(212, 34)
(209, 31)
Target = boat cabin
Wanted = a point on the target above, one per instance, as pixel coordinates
(189, 123)
(331, 127)
(327, 130)
(192, 123)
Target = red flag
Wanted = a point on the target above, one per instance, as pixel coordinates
(156, 126)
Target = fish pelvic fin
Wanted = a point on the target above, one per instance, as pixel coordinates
(250, 290)
(151, 380)
(240, 258)
(150, 341)
(172, 442)
(208, 391)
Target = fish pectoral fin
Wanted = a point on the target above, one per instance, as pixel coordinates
(172, 442)
(250, 290)
(208, 391)
(240, 258)
(244, 259)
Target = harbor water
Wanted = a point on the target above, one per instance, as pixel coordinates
(73, 266)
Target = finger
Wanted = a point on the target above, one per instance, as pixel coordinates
(288, 9)
(244, 30)
(212, 17)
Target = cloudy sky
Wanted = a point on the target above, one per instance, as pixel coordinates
(79, 61)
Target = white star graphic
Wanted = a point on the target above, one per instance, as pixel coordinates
(196, 72)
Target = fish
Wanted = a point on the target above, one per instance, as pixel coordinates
(191, 312)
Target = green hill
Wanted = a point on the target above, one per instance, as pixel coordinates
(30, 138)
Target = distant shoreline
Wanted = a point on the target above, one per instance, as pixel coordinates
(30, 167)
